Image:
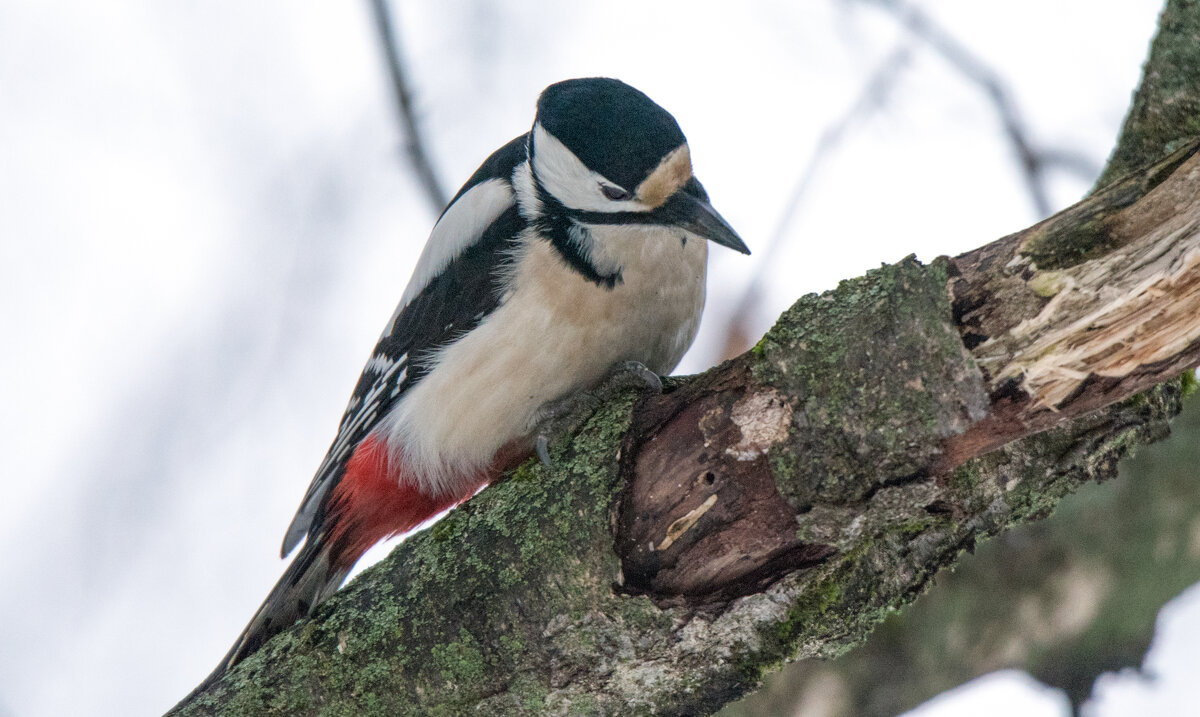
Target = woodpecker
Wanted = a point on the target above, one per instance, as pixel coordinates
(576, 247)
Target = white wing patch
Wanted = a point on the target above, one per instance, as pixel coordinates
(461, 225)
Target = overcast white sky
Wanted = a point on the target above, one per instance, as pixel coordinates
(205, 219)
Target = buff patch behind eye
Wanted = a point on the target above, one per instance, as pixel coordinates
(672, 172)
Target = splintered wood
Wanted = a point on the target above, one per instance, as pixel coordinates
(1092, 305)
(1135, 307)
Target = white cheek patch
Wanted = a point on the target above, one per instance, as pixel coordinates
(462, 224)
(570, 181)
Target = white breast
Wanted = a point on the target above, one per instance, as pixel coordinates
(555, 333)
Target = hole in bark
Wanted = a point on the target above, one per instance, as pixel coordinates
(1009, 388)
(972, 339)
(965, 304)
(709, 478)
(939, 507)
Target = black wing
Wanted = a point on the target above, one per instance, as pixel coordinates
(450, 304)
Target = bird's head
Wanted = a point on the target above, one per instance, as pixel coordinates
(603, 152)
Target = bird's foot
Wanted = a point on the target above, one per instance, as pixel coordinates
(632, 374)
(567, 415)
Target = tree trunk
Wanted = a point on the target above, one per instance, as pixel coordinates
(780, 505)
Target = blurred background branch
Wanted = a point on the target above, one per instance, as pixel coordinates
(1032, 159)
(920, 31)
(414, 143)
(873, 97)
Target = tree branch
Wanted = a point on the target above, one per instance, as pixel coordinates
(1065, 599)
(781, 504)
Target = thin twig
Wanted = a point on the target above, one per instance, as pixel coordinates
(413, 143)
(1078, 163)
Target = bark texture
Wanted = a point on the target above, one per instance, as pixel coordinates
(782, 504)
(1065, 599)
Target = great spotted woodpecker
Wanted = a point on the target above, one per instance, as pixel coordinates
(576, 247)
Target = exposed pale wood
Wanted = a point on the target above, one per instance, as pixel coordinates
(1059, 342)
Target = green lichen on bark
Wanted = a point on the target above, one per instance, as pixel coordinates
(896, 540)
(879, 377)
(1085, 231)
(897, 544)
(1065, 598)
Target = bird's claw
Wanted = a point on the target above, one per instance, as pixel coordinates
(558, 417)
(543, 450)
(568, 414)
(645, 378)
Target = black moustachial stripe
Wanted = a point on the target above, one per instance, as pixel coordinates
(556, 223)
(557, 220)
(670, 212)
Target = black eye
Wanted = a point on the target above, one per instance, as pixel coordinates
(615, 193)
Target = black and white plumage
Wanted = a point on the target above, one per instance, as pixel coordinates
(573, 248)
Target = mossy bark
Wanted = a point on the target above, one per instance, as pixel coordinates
(533, 599)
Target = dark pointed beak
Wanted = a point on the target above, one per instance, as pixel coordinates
(697, 216)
